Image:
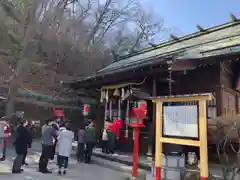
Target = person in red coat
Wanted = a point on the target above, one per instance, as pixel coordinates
(113, 132)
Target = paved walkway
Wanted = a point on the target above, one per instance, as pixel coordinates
(76, 170)
(144, 162)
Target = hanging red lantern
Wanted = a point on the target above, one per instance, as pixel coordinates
(86, 109)
(58, 113)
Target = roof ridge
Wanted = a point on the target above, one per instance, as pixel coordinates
(183, 38)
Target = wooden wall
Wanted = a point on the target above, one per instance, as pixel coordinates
(216, 79)
(230, 98)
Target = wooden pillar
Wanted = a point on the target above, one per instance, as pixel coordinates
(151, 148)
(158, 144)
(219, 101)
(219, 97)
(203, 140)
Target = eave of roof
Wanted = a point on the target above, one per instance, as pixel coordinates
(216, 41)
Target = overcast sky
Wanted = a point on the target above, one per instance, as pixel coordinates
(183, 15)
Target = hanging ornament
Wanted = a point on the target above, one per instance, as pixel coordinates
(116, 92)
(102, 96)
(127, 94)
(127, 119)
(131, 91)
(122, 94)
(105, 112)
(106, 96)
(170, 63)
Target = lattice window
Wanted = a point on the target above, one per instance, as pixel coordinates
(229, 103)
(211, 109)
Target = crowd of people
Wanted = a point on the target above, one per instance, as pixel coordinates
(56, 138)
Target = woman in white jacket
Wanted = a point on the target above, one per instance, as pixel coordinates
(65, 139)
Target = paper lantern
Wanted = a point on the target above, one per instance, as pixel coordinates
(86, 109)
(59, 113)
(116, 92)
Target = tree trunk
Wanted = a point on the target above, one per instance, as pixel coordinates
(13, 87)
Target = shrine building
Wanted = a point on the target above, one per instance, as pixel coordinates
(206, 61)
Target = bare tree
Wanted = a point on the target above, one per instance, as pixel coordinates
(66, 38)
(26, 18)
(122, 26)
(226, 136)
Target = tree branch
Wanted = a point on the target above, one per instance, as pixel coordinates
(4, 52)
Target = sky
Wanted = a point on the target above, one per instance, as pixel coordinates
(182, 16)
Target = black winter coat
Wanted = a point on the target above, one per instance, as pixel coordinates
(23, 140)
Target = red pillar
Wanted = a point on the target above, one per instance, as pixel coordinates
(135, 151)
(158, 173)
(204, 178)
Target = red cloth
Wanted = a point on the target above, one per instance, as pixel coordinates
(115, 127)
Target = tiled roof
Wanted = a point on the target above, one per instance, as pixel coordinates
(193, 46)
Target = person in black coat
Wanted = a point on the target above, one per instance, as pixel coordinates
(29, 127)
(22, 142)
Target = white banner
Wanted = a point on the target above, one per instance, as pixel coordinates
(180, 121)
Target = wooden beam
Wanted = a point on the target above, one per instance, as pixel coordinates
(184, 98)
(115, 86)
(180, 141)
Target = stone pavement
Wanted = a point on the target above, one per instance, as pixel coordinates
(144, 162)
(76, 170)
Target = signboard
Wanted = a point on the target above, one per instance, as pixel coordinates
(180, 121)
